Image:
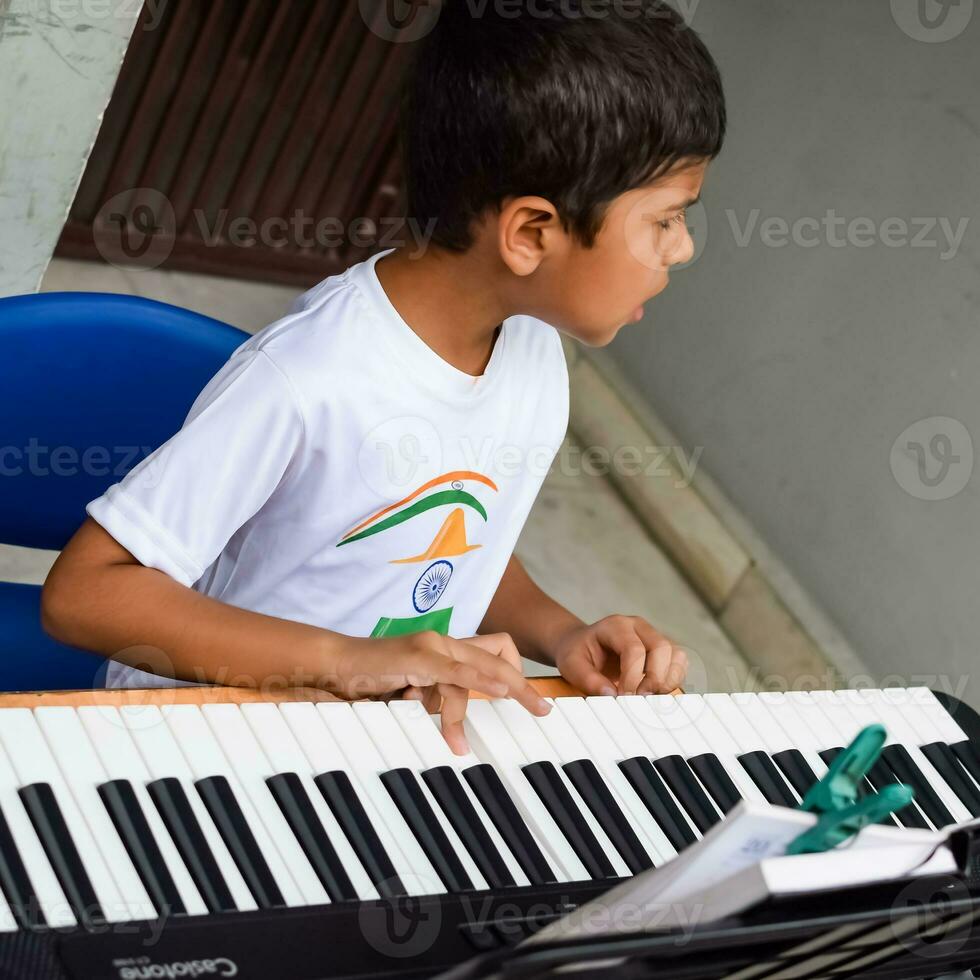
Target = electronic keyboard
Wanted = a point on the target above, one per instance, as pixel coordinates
(192, 832)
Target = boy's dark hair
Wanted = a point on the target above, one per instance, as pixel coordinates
(576, 101)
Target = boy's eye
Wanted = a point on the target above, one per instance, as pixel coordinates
(677, 219)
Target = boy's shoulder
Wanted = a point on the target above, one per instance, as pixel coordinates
(334, 333)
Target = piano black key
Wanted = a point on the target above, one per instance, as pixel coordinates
(650, 788)
(135, 833)
(687, 790)
(947, 765)
(178, 817)
(587, 779)
(897, 756)
(288, 790)
(52, 831)
(444, 784)
(708, 768)
(879, 775)
(16, 883)
(767, 777)
(219, 798)
(404, 789)
(342, 799)
(552, 791)
(499, 807)
(969, 757)
(796, 769)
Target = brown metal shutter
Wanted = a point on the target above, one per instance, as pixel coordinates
(270, 111)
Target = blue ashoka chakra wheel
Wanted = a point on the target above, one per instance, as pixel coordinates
(431, 585)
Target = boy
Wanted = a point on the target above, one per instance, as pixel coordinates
(340, 509)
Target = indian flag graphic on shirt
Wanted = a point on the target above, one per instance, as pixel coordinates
(449, 491)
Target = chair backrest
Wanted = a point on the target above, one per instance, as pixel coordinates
(90, 383)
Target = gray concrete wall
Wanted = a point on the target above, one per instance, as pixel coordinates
(799, 357)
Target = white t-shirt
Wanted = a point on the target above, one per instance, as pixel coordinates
(338, 472)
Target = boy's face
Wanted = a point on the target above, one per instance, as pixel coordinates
(596, 291)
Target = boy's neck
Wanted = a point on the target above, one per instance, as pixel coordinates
(449, 301)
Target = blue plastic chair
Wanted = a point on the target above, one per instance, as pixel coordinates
(90, 383)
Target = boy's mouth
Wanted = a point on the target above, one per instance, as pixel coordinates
(636, 315)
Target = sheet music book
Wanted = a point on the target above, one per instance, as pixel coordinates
(741, 862)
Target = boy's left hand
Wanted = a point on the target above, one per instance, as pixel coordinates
(620, 655)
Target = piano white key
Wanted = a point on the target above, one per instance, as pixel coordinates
(657, 729)
(252, 767)
(165, 760)
(945, 724)
(492, 743)
(33, 761)
(869, 707)
(362, 755)
(535, 744)
(651, 728)
(7, 921)
(723, 745)
(729, 715)
(54, 906)
(844, 724)
(824, 731)
(285, 755)
(799, 734)
(608, 738)
(397, 752)
(420, 728)
(205, 756)
(84, 773)
(685, 732)
(325, 755)
(121, 759)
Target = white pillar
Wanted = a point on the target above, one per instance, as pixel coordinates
(59, 60)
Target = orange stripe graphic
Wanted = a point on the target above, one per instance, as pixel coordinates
(445, 478)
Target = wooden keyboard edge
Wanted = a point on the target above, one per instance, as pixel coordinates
(550, 687)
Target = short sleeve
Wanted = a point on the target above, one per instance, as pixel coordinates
(179, 507)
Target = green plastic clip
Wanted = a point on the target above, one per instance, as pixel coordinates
(835, 798)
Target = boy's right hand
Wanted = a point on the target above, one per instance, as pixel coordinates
(436, 669)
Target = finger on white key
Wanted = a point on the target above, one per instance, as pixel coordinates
(285, 755)
(34, 763)
(640, 840)
(361, 753)
(219, 877)
(227, 798)
(48, 892)
(252, 767)
(380, 849)
(416, 799)
(122, 761)
(496, 858)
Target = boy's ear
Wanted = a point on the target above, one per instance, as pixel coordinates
(527, 229)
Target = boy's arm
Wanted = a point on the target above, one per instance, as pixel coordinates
(616, 655)
(99, 597)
